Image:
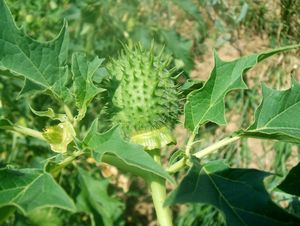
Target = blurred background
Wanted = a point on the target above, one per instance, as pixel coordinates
(190, 30)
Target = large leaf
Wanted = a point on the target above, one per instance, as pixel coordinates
(207, 103)
(42, 64)
(95, 200)
(84, 89)
(29, 189)
(238, 193)
(111, 148)
(278, 115)
(291, 183)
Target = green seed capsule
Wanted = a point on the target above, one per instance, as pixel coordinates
(144, 97)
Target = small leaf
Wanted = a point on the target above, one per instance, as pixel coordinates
(84, 89)
(238, 193)
(28, 189)
(207, 103)
(95, 200)
(111, 148)
(50, 114)
(291, 183)
(278, 115)
(41, 63)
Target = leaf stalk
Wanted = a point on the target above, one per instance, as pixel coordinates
(28, 132)
(215, 146)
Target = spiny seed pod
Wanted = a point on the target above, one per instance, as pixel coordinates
(144, 96)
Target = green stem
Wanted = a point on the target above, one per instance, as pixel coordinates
(158, 191)
(189, 144)
(28, 132)
(68, 113)
(216, 146)
(55, 171)
(177, 166)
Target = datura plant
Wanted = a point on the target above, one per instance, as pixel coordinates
(141, 101)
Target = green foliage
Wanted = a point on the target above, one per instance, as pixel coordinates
(276, 116)
(63, 99)
(84, 89)
(207, 103)
(111, 147)
(42, 65)
(180, 47)
(95, 200)
(291, 183)
(45, 217)
(232, 191)
(29, 189)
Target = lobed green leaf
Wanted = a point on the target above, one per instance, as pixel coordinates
(207, 103)
(43, 65)
(111, 148)
(238, 193)
(29, 189)
(278, 115)
(84, 89)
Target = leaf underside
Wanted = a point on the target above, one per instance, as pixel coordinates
(238, 193)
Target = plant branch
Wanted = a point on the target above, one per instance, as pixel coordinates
(183, 161)
(28, 132)
(216, 146)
